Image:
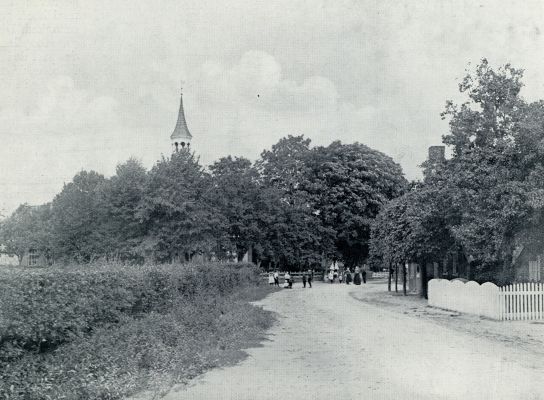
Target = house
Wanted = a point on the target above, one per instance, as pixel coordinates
(34, 258)
(454, 265)
(6, 259)
(529, 263)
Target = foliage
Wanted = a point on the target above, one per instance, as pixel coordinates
(27, 228)
(176, 209)
(123, 195)
(487, 199)
(349, 184)
(78, 213)
(235, 194)
(296, 207)
(285, 165)
(294, 235)
(413, 227)
(41, 309)
(158, 325)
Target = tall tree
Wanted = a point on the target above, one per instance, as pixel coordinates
(236, 192)
(180, 219)
(294, 232)
(27, 228)
(285, 165)
(412, 228)
(79, 220)
(123, 195)
(349, 184)
(484, 175)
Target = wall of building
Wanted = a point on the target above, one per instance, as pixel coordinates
(8, 260)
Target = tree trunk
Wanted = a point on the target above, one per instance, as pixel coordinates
(396, 277)
(424, 279)
(404, 278)
(389, 278)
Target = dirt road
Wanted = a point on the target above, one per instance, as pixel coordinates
(329, 345)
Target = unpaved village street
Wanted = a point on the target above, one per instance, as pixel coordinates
(329, 345)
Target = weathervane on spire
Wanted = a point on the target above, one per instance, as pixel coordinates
(182, 82)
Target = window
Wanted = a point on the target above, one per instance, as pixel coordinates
(33, 257)
(454, 264)
(534, 270)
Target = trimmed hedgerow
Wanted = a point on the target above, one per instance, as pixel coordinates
(41, 309)
(107, 332)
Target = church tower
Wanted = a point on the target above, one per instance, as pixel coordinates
(181, 137)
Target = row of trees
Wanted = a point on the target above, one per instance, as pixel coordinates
(487, 200)
(294, 207)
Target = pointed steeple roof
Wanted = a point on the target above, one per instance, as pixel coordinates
(181, 131)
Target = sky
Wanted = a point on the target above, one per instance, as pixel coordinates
(87, 84)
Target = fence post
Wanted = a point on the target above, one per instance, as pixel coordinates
(539, 295)
(500, 303)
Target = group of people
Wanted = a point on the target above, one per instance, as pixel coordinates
(357, 276)
(274, 279)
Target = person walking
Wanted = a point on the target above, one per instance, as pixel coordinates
(357, 276)
(331, 276)
(276, 279)
(287, 283)
(270, 278)
(348, 276)
(340, 277)
(304, 279)
(364, 275)
(291, 281)
(310, 277)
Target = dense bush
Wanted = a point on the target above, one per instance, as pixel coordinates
(42, 309)
(148, 353)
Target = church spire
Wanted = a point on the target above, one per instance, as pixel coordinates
(181, 137)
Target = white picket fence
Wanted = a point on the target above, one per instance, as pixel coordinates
(521, 301)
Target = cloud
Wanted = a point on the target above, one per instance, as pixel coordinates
(88, 84)
(249, 106)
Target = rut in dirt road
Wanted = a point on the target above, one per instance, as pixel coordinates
(328, 345)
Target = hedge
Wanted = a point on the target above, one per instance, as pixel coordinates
(43, 309)
(149, 353)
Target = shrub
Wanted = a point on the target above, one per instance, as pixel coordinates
(112, 332)
(41, 309)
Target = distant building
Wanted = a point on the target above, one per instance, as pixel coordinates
(528, 263)
(181, 137)
(6, 259)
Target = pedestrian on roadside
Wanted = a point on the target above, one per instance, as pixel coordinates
(340, 277)
(364, 275)
(291, 281)
(310, 277)
(270, 278)
(348, 276)
(331, 277)
(276, 279)
(304, 279)
(287, 283)
(357, 276)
